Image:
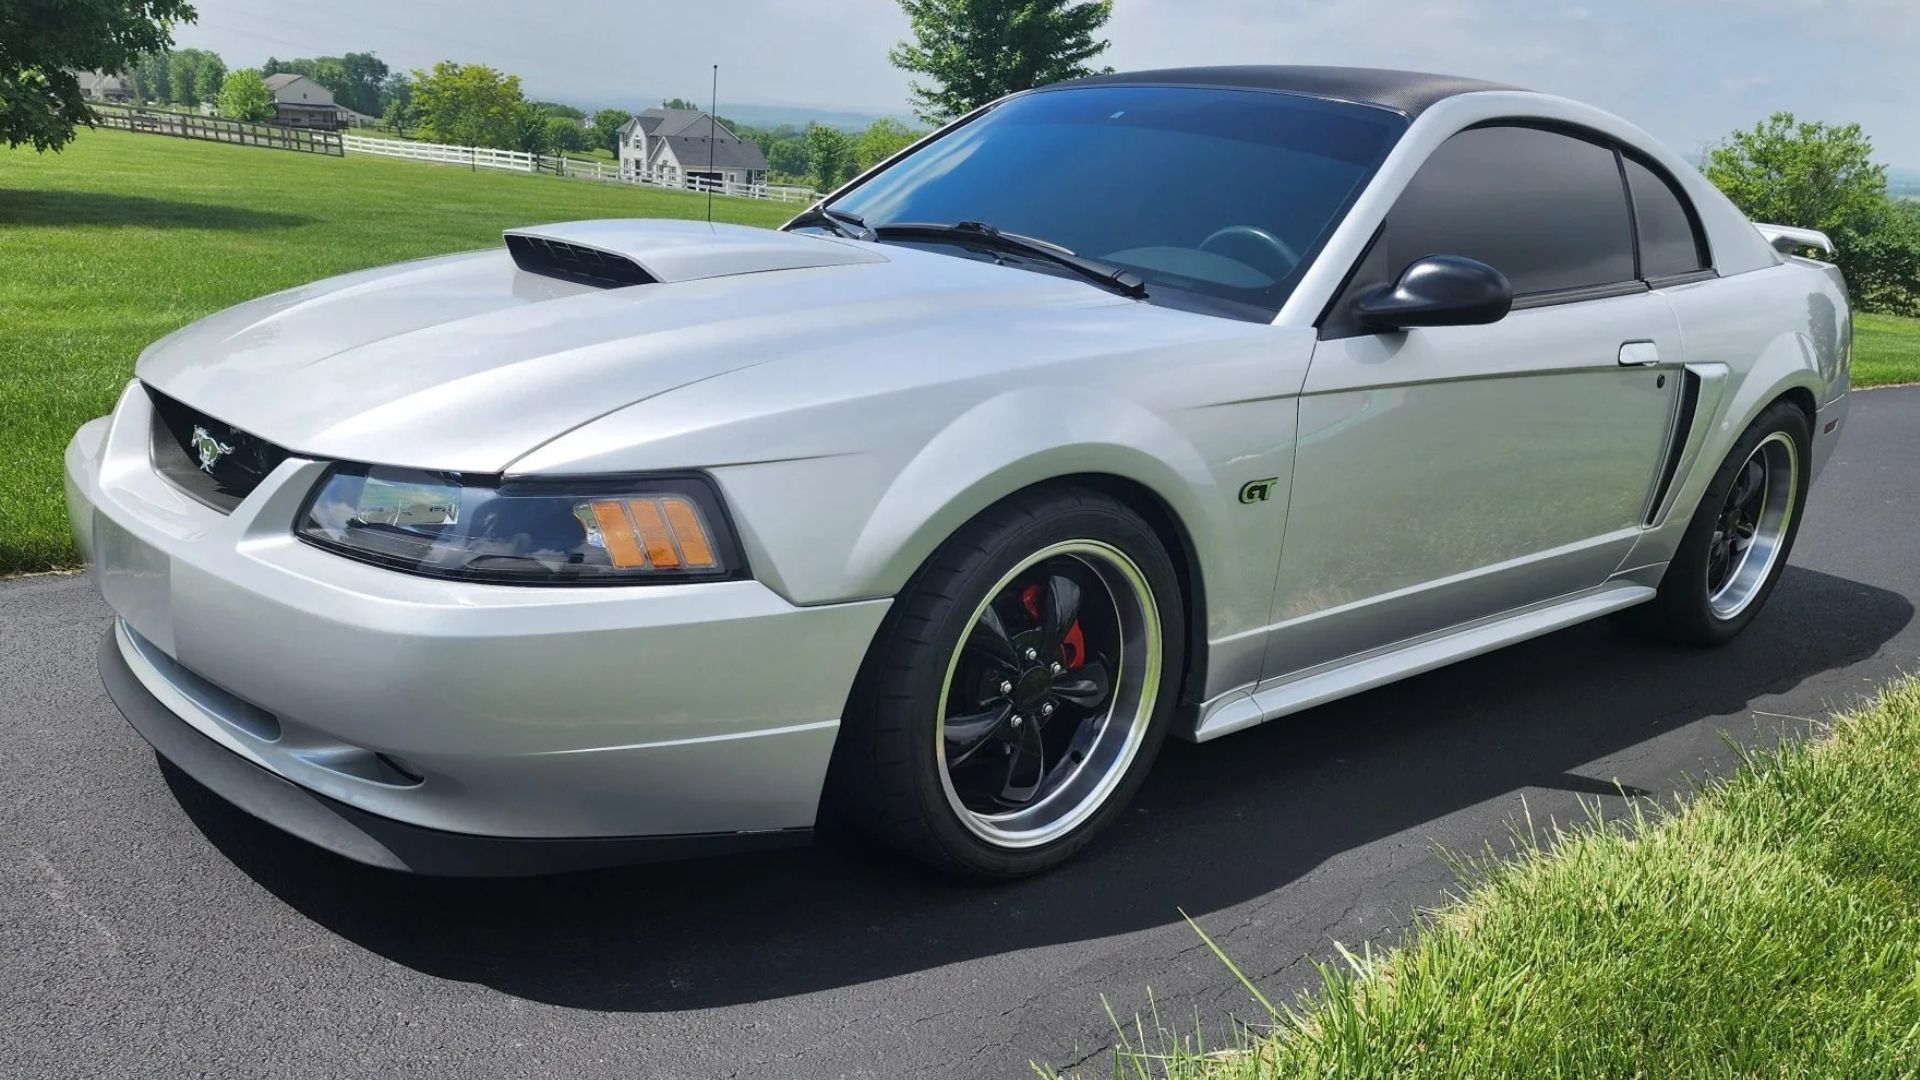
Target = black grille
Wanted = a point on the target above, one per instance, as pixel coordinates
(240, 461)
(571, 262)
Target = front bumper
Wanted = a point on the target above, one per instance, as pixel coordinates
(519, 714)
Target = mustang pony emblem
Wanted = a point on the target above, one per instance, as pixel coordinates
(209, 449)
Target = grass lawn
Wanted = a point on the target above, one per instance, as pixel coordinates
(124, 237)
(1886, 350)
(1770, 927)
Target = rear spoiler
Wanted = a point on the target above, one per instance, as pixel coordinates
(1786, 239)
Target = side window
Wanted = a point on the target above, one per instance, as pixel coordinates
(1669, 238)
(1546, 209)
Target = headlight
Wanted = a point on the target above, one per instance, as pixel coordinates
(546, 532)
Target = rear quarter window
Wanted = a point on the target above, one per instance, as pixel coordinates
(1670, 241)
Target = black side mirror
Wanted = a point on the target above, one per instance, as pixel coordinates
(1439, 290)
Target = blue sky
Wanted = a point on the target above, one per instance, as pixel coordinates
(1687, 70)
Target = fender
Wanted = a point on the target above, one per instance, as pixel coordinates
(1013, 441)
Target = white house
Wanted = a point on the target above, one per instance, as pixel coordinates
(675, 146)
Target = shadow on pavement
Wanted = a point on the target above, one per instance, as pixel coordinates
(1216, 825)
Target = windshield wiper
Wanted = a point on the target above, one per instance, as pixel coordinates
(841, 222)
(1103, 274)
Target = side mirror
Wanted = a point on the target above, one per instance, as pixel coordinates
(1439, 290)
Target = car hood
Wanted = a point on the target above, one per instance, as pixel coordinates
(467, 362)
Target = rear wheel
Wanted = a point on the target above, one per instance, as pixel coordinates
(1020, 689)
(1737, 544)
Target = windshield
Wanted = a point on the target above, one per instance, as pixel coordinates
(1217, 199)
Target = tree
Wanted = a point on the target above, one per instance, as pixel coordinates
(468, 104)
(183, 75)
(555, 108)
(788, 156)
(1821, 176)
(399, 116)
(148, 78)
(244, 96)
(365, 77)
(1886, 259)
(976, 51)
(679, 103)
(44, 42)
(210, 78)
(606, 129)
(564, 133)
(829, 152)
(883, 139)
(530, 130)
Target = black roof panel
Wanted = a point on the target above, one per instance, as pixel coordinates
(1409, 92)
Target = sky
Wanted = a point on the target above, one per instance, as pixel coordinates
(1689, 71)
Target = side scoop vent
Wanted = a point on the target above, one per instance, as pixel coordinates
(573, 262)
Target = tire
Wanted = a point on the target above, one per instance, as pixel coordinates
(908, 769)
(1703, 600)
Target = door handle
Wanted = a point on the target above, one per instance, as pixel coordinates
(1639, 354)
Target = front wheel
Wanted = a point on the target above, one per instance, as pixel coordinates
(1737, 543)
(1021, 687)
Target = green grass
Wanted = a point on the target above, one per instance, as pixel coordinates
(124, 237)
(1886, 350)
(1768, 928)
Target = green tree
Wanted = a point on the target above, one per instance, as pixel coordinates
(679, 103)
(183, 74)
(468, 105)
(555, 108)
(1822, 176)
(399, 116)
(44, 42)
(788, 156)
(829, 153)
(606, 129)
(210, 78)
(148, 78)
(244, 96)
(366, 77)
(1885, 253)
(564, 133)
(883, 139)
(530, 130)
(976, 51)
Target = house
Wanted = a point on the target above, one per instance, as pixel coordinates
(100, 86)
(300, 102)
(674, 147)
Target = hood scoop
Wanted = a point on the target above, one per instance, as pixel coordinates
(616, 253)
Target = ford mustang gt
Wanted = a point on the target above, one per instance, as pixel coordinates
(1160, 403)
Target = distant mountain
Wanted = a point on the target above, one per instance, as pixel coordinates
(1903, 183)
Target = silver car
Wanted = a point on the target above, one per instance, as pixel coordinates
(1155, 404)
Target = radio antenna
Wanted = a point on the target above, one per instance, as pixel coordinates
(713, 136)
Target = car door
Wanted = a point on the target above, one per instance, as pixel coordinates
(1448, 474)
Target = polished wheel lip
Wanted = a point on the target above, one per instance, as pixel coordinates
(1081, 794)
(1779, 458)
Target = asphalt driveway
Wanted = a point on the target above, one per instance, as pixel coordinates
(147, 928)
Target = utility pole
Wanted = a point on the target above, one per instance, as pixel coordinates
(713, 136)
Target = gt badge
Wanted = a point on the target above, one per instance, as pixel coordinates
(1254, 491)
(210, 450)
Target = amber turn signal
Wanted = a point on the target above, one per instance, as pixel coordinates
(661, 532)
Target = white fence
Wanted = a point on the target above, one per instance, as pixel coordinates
(480, 157)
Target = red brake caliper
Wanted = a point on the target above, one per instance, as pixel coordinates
(1073, 644)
